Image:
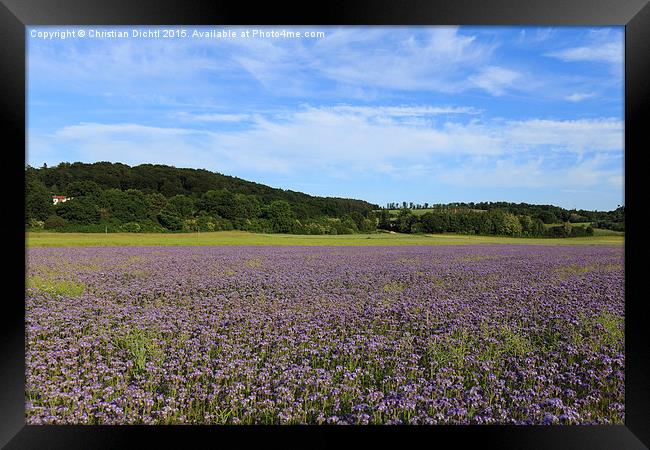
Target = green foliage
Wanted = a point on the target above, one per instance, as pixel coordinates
(36, 224)
(126, 206)
(157, 203)
(192, 183)
(246, 207)
(464, 220)
(38, 199)
(613, 327)
(154, 198)
(64, 288)
(140, 348)
(182, 205)
(170, 219)
(219, 203)
(54, 222)
(131, 227)
(83, 188)
(582, 231)
(547, 217)
(80, 210)
(280, 216)
(511, 225)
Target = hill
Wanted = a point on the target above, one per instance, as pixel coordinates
(152, 197)
(171, 181)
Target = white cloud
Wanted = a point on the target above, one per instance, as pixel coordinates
(611, 53)
(212, 117)
(343, 141)
(568, 135)
(534, 174)
(495, 80)
(602, 46)
(396, 58)
(577, 97)
(403, 111)
(400, 59)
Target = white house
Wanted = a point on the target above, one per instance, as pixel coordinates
(60, 199)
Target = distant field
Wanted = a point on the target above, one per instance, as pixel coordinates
(597, 231)
(576, 224)
(419, 212)
(51, 239)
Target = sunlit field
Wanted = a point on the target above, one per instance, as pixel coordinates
(45, 239)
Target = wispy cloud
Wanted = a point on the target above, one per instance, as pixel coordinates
(601, 46)
(213, 117)
(495, 80)
(343, 141)
(611, 53)
(578, 97)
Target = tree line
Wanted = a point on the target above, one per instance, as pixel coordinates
(471, 221)
(113, 197)
(548, 214)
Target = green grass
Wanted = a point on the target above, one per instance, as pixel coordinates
(574, 224)
(597, 231)
(63, 288)
(140, 348)
(603, 232)
(50, 239)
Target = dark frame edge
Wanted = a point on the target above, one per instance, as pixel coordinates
(12, 113)
(637, 345)
(635, 433)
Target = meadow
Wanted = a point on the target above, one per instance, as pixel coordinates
(272, 334)
(54, 239)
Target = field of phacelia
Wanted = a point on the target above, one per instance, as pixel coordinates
(325, 335)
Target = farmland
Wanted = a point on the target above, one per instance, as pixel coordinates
(287, 334)
(54, 239)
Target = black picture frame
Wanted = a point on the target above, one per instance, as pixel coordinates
(15, 15)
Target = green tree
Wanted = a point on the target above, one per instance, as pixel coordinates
(511, 224)
(83, 188)
(79, 210)
(183, 205)
(280, 216)
(219, 202)
(384, 220)
(246, 207)
(548, 217)
(527, 225)
(125, 206)
(404, 220)
(156, 203)
(170, 219)
(38, 200)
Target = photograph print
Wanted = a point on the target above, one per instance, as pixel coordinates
(325, 225)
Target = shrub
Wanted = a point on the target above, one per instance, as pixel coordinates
(37, 224)
(131, 227)
(170, 221)
(54, 222)
(582, 231)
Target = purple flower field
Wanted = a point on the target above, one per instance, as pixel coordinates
(325, 335)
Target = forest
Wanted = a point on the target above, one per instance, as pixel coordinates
(114, 197)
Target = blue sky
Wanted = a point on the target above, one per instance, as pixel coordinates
(386, 114)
